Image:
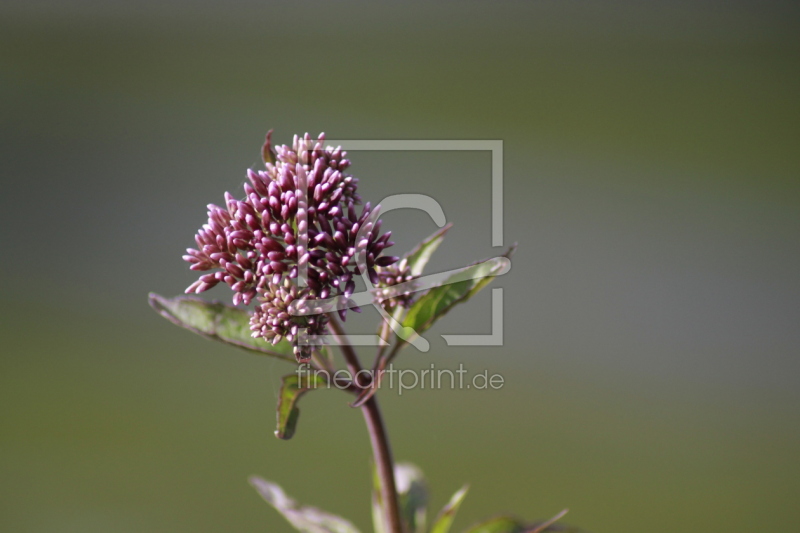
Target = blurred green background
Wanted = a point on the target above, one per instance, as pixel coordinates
(651, 315)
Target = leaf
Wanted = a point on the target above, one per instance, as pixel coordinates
(217, 321)
(378, 516)
(509, 524)
(456, 289)
(267, 154)
(305, 519)
(292, 388)
(412, 492)
(421, 254)
(500, 524)
(412, 495)
(548, 525)
(448, 513)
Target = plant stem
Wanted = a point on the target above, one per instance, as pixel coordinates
(377, 436)
(384, 463)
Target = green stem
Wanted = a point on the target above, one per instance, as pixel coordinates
(377, 436)
(385, 465)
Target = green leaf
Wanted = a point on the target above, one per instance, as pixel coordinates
(267, 154)
(421, 254)
(448, 513)
(456, 289)
(217, 321)
(305, 519)
(500, 524)
(378, 516)
(509, 524)
(292, 388)
(412, 493)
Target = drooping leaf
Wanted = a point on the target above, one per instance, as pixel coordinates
(217, 321)
(292, 387)
(412, 494)
(421, 254)
(456, 289)
(445, 518)
(305, 519)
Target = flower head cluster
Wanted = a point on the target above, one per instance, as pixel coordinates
(388, 292)
(296, 234)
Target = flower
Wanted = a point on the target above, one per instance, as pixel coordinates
(296, 234)
(388, 278)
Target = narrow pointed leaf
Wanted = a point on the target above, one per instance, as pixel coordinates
(421, 254)
(267, 155)
(456, 289)
(412, 492)
(509, 524)
(448, 513)
(500, 524)
(549, 525)
(378, 516)
(292, 388)
(412, 495)
(304, 519)
(217, 321)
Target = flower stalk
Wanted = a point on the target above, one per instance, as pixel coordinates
(384, 464)
(378, 437)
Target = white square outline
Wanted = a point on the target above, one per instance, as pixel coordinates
(495, 146)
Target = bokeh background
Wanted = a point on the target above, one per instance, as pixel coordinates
(652, 181)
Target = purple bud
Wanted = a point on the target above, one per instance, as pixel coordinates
(193, 287)
(204, 287)
(230, 203)
(386, 260)
(338, 237)
(252, 221)
(234, 269)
